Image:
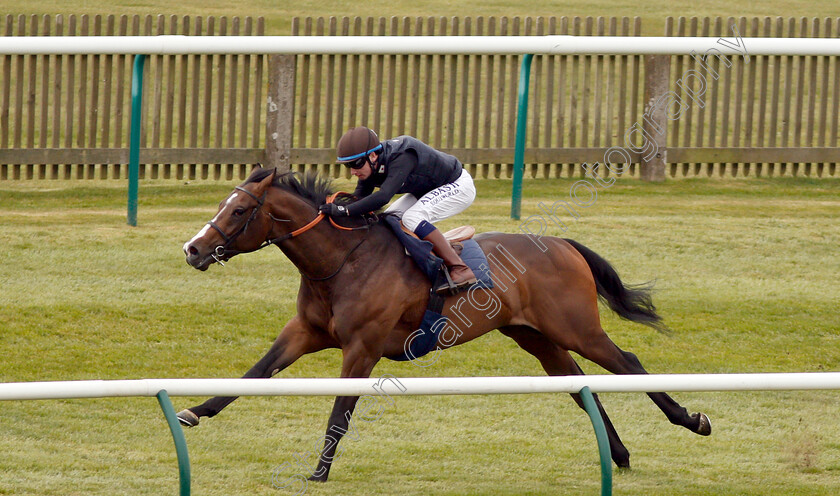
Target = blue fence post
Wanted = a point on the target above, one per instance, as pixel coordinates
(603, 442)
(521, 124)
(180, 441)
(134, 142)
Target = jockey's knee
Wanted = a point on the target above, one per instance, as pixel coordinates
(412, 220)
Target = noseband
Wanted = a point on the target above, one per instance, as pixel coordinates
(222, 250)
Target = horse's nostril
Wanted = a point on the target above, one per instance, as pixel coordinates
(192, 250)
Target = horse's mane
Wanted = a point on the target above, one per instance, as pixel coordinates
(309, 186)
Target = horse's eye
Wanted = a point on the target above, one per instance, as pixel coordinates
(239, 211)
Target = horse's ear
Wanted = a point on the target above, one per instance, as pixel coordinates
(266, 183)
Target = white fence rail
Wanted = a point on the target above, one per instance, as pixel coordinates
(441, 45)
(420, 385)
(584, 385)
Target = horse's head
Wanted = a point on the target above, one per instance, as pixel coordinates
(241, 225)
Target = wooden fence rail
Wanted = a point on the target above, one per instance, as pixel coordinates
(209, 116)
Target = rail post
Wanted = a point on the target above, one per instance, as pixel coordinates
(519, 150)
(180, 441)
(601, 435)
(134, 142)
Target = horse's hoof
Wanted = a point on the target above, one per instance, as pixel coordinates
(704, 427)
(187, 418)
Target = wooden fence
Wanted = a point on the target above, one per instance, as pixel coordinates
(64, 117)
(205, 116)
(466, 104)
(770, 115)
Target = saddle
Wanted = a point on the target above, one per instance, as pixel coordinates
(459, 234)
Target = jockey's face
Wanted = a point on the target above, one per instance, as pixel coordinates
(366, 170)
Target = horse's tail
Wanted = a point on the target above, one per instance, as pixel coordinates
(630, 301)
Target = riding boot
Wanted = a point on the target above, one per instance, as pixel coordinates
(460, 274)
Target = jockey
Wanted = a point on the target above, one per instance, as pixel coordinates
(435, 184)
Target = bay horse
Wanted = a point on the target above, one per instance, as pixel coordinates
(547, 296)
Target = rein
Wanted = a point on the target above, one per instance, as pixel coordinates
(310, 225)
(346, 257)
(222, 250)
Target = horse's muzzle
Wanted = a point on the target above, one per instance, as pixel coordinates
(196, 259)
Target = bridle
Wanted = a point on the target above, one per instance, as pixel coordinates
(223, 252)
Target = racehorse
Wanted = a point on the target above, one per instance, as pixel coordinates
(547, 291)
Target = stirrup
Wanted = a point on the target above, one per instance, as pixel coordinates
(451, 288)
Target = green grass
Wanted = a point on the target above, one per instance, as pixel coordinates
(746, 275)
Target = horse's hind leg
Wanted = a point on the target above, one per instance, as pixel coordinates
(295, 340)
(599, 348)
(573, 322)
(678, 415)
(557, 361)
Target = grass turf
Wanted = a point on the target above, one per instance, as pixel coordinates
(746, 277)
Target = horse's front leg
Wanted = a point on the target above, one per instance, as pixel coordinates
(357, 362)
(295, 340)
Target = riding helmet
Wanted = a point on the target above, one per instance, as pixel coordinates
(357, 143)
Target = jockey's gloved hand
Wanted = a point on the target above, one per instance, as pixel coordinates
(333, 210)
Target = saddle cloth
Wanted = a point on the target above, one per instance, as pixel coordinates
(425, 339)
(421, 251)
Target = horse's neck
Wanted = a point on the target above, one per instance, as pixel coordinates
(331, 252)
(322, 249)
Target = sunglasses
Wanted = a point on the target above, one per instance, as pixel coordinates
(361, 159)
(358, 164)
